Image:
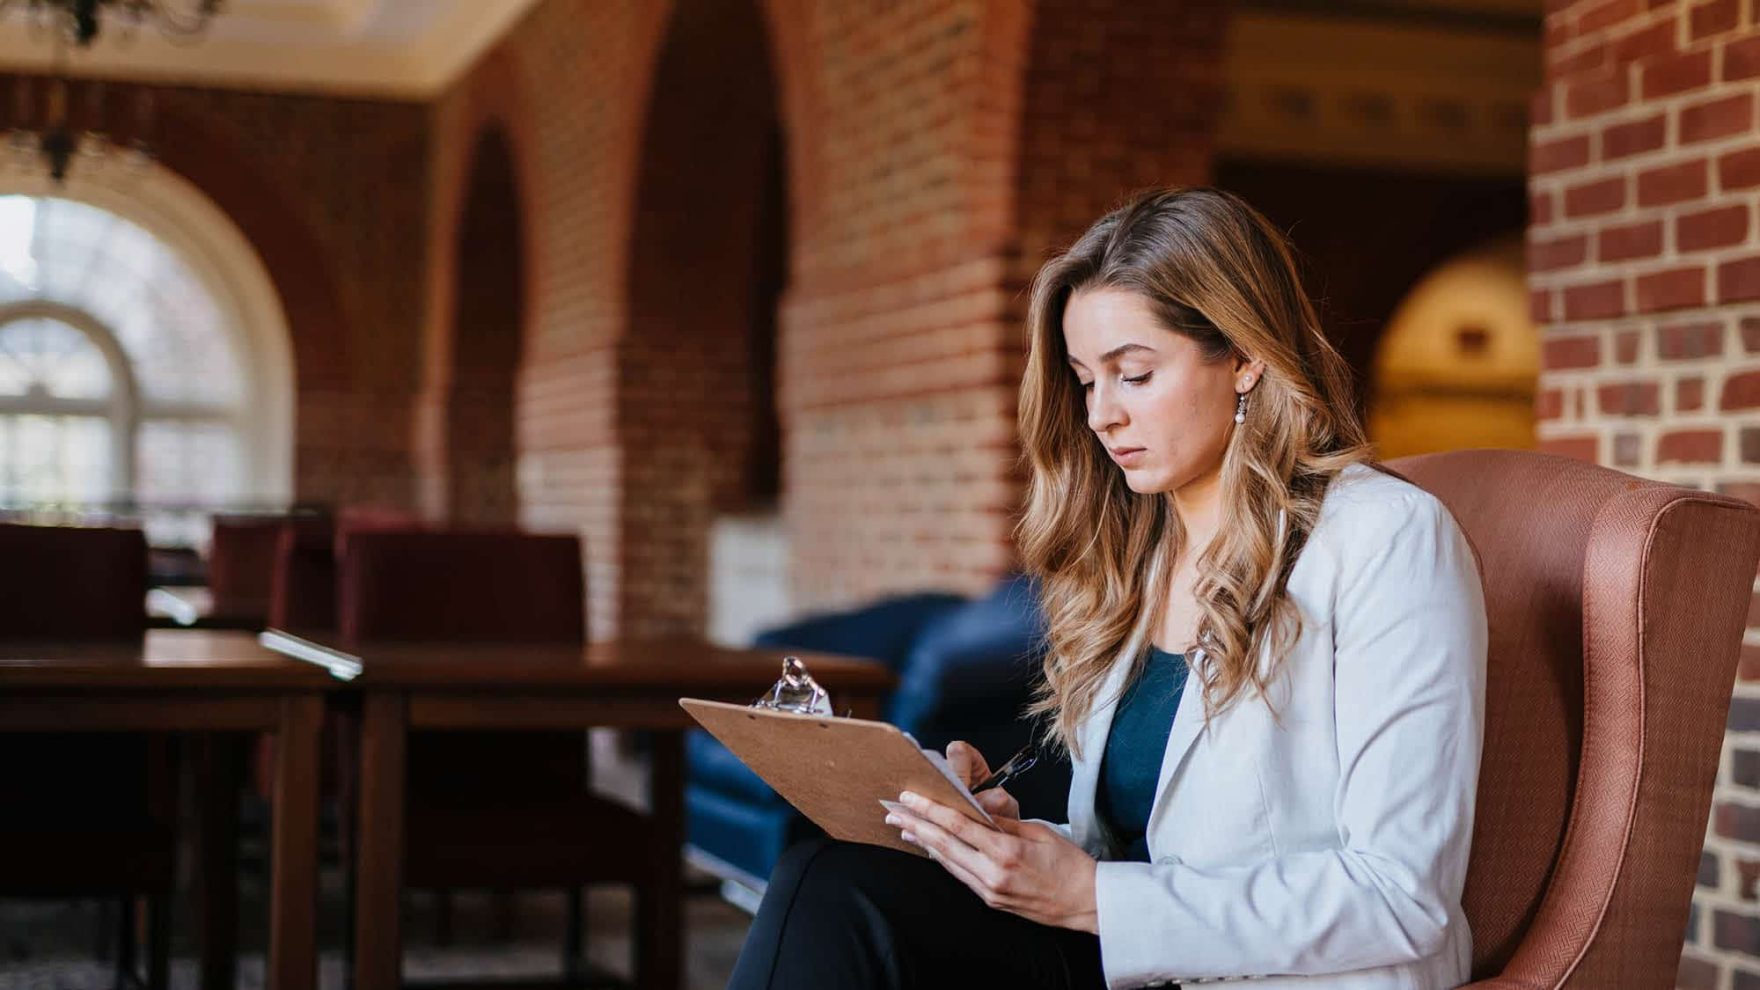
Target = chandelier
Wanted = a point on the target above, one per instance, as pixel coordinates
(79, 21)
(57, 122)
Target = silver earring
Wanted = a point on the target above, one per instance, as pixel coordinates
(1240, 408)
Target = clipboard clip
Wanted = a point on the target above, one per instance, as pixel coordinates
(796, 691)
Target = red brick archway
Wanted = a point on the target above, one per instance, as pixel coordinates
(483, 280)
(322, 334)
(471, 452)
(696, 407)
(933, 153)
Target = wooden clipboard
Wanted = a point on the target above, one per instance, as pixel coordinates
(836, 771)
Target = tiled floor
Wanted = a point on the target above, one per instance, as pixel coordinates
(62, 945)
(55, 945)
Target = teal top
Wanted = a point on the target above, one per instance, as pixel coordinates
(1130, 768)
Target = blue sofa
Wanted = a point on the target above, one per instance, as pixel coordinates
(965, 668)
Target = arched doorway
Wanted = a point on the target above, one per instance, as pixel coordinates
(697, 410)
(488, 322)
(147, 359)
(1458, 363)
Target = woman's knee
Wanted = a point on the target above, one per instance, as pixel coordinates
(800, 853)
(829, 874)
(797, 862)
(820, 860)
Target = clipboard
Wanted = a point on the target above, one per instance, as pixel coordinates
(839, 772)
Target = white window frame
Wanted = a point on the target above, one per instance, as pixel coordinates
(172, 209)
(121, 407)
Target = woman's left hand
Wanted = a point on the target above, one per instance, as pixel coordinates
(1025, 868)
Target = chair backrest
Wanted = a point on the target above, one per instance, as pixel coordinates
(302, 589)
(460, 585)
(1616, 607)
(241, 565)
(66, 582)
(418, 585)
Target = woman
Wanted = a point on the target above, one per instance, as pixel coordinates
(1265, 660)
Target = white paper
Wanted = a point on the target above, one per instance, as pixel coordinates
(940, 763)
(343, 666)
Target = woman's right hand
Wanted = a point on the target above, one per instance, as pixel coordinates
(966, 761)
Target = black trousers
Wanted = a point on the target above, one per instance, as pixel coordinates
(846, 916)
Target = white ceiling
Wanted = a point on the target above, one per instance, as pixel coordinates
(409, 48)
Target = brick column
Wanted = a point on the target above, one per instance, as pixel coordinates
(987, 137)
(1644, 267)
(934, 152)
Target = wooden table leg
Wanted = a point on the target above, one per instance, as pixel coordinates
(660, 910)
(293, 897)
(378, 936)
(216, 883)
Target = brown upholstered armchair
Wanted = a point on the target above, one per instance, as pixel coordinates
(1616, 610)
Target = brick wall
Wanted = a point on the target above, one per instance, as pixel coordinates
(564, 85)
(903, 349)
(919, 199)
(464, 443)
(702, 290)
(1645, 269)
(894, 360)
(330, 192)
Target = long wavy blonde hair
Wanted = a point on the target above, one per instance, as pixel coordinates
(1216, 271)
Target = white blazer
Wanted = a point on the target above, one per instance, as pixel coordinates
(1326, 849)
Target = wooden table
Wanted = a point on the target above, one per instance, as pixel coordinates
(199, 681)
(627, 684)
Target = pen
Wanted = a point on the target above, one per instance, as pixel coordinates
(1017, 764)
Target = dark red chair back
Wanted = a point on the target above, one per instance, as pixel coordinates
(460, 586)
(486, 586)
(67, 582)
(241, 566)
(302, 586)
(83, 813)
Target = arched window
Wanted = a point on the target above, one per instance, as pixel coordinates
(123, 377)
(65, 417)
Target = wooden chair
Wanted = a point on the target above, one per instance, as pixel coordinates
(487, 810)
(241, 568)
(1616, 610)
(302, 583)
(86, 815)
(302, 587)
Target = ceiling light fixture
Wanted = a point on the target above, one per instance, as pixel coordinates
(80, 21)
